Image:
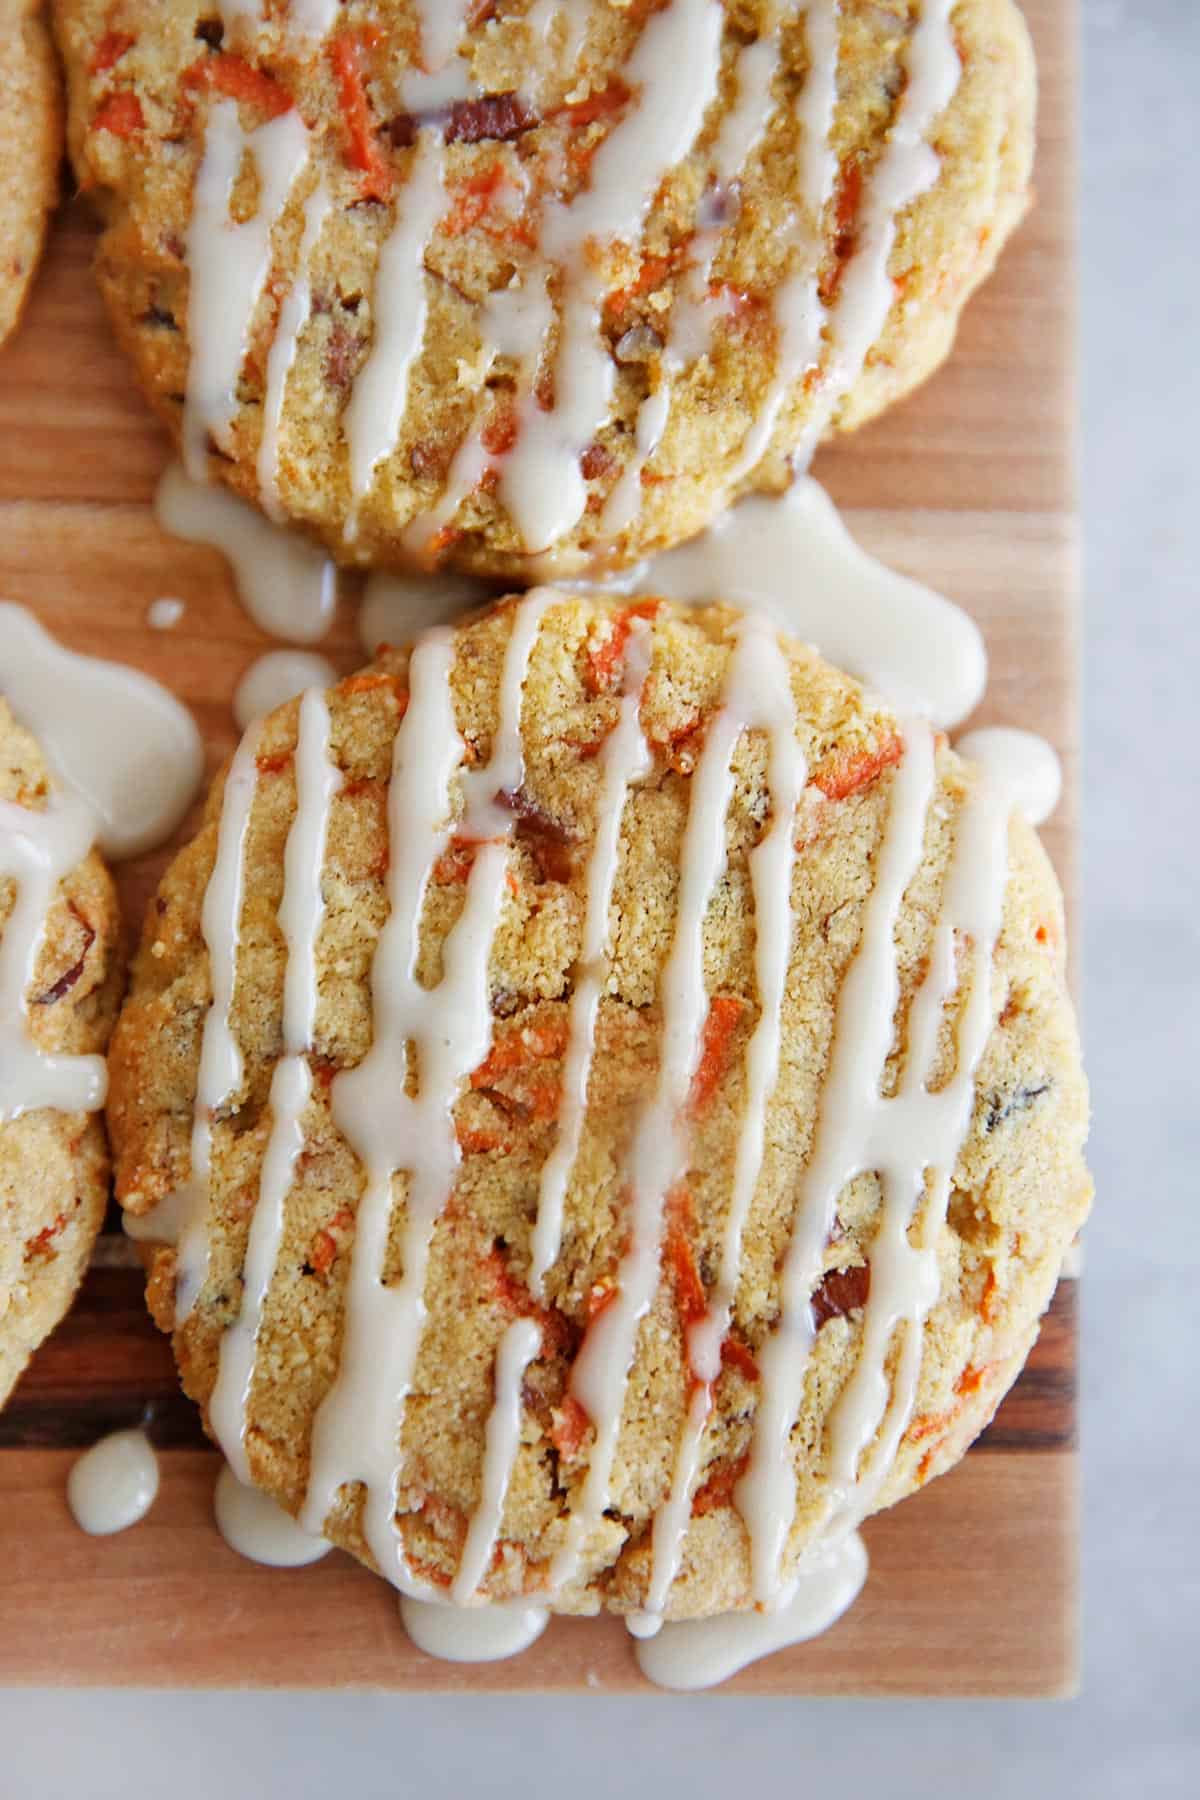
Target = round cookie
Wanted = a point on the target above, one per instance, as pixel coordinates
(54, 1168)
(562, 297)
(390, 917)
(31, 142)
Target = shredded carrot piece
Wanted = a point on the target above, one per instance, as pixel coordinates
(987, 1303)
(846, 205)
(847, 772)
(274, 763)
(121, 114)
(371, 681)
(473, 1141)
(601, 1295)
(652, 273)
(598, 105)
(606, 658)
(37, 1246)
(973, 1378)
(514, 1297)
(474, 199)
(237, 79)
(110, 50)
(322, 1253)
(739, 1356)
(454, 865)
(363, 151)
(723, 1014)
(689, 1288)
(718, 1489)
(571, 1426)
(517, 1049)
(500, 433)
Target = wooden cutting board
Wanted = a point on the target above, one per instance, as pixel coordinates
(968, 486)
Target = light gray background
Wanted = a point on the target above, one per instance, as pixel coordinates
(1135, 1734)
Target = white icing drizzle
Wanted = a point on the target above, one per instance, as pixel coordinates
(165, 614)
(138, 781)
(380, 396)
(479, 1634)
(907, 168)
(624, 759)
(701, 1653)
(1072, 1263)
(276, 677)
(114, 1484)
(286, 584)
(518, 1347)
(673, 71)
(229, 264)
(301, 911)
(441, 23)
(293, 317)
(765, 697)
(793, 558)
(357, 1429)
(1024, 766)
(658, 1154)
(799, 313)
(37, 849)
(396, 607)
(220, 1072)
(256, 1527)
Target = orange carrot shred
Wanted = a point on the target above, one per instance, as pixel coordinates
(605, 659)
(110, 50)
(363, 151)
(517, 1049)
(121, 114)
(571, 1426)
(598, 105)
(718, 1489)
(237, 79)
(689, 1288)
(739, 1356)
(847, 772)
(723, 1013)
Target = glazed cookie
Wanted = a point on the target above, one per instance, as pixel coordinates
(60, 981)
(30, 149)
(606, 1104)
(516, 286)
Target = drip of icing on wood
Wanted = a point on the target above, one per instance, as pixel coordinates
(396, 607)
(114, 1484)
(794, 559)
(229, 264)
(258, 1528)
(139, 780)
(275, 678)
(703, 1652)
(301, 913)
(1022, 765)
(220, 1072)
(472, 1634)
(357, 1429)
(286, 584)
(165, 614)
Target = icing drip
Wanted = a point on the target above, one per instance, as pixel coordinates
(229, 265)
(220, 1072)
(137, 782)
(357, 1429)
(1023, 766)
(164, 614)
(396, 607)
(700, 1653)
(765, 697)
(518, 1347)
(377, 405)
(673, 70)
(793, 558)
(481, 1634)
(257, 1528)
(301, 911)
(907, 169)
(658, 1155)
(275, 678)
(114, 1484)
(293, 317)
(286, 584)
(625, 758)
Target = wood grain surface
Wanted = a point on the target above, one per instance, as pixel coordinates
(969, 486)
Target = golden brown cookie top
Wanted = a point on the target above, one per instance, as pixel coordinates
(595, 985)
(563, 284)
(31, 147)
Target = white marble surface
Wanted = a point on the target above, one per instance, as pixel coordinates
(1135, 1733)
